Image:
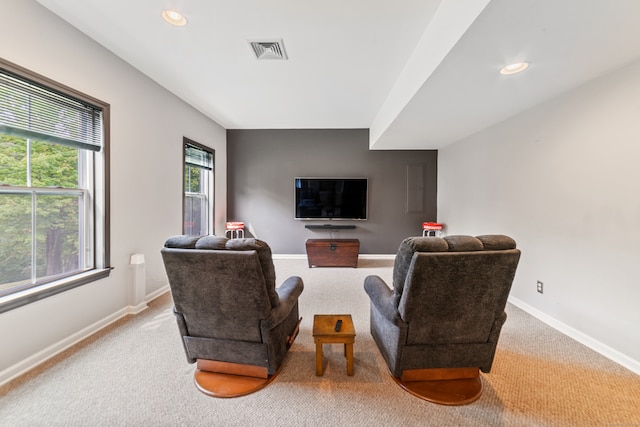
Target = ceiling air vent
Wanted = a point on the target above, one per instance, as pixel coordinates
(268, 49)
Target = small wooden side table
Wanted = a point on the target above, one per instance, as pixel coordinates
(324, 333)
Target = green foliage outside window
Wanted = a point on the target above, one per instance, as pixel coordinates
(56, 218)
(192, 179)
(198, 189)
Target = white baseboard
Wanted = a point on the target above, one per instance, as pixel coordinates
(42, 356)
(377, 256)
(360, 256)
(289, 256)
(155, 294)
(136, 309)
(595, 345)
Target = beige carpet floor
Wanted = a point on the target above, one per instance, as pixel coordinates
(134, 373)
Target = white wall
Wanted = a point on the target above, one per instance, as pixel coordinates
(147, 127)
(564, 180)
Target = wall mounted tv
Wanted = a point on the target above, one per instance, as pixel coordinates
(331, 198)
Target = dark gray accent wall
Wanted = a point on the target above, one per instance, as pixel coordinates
(262, 165)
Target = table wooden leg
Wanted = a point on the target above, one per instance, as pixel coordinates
(319, 359)
(349, 350)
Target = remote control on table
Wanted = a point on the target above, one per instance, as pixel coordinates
(338, 325)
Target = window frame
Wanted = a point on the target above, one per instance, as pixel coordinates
(210, 194)
(100, 223)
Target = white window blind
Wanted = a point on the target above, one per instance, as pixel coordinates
(196, 156)
(29, 110)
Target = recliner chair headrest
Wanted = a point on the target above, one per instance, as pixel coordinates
(181, 242)
(496, 242)
(459, 243)
(462, 244)
(212, 242)
(417, 244)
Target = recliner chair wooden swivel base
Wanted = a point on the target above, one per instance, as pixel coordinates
(445, 386)
(242, 380)
(233, 321)
(225, 379)
(438, 326)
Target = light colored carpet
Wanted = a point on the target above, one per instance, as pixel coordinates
(134, 373)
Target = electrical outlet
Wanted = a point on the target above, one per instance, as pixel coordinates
(540, 286)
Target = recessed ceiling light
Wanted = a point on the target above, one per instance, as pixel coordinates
(514, 68)
(174, 18)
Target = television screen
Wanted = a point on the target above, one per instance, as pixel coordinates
(331, 198)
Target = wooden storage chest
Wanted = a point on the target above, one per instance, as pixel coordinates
(333, 252)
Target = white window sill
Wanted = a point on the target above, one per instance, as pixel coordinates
(18, 299)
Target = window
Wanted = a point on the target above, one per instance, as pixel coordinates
(53, 187)
(198, 189)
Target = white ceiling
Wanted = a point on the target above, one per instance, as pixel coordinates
(420, 74)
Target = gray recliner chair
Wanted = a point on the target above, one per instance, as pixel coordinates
(439, 325)
(232, 319)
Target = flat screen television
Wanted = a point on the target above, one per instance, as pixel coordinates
(331, 198)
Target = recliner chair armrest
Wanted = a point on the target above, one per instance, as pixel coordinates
(288, 292)
(182, 327)
(381, 297)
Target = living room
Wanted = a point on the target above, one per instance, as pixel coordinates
(560, 178)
